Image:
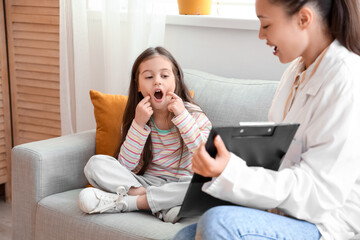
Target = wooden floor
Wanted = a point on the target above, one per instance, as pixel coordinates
(5, 219)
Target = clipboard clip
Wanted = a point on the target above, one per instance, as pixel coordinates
(254, 131)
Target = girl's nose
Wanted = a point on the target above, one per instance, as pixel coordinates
(157, 80)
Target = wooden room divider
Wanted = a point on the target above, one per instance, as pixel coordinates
(29, 67)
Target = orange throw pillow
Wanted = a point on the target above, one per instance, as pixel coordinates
(108, 110)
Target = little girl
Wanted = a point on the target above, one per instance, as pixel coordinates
(318, 185)
(162, 128)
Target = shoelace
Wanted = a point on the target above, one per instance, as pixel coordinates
(109, 203)
(121, 192)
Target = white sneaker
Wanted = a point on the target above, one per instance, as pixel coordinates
(169, 215)
(93, 200)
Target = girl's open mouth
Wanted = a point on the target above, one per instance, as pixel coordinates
(158, 94)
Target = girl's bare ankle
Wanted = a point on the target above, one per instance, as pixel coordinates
(133, 191)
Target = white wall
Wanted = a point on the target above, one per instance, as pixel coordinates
(237, 53)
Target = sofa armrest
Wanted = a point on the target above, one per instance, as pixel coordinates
(42, 168)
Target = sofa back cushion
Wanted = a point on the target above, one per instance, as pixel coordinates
(108, 112)
(227, 101)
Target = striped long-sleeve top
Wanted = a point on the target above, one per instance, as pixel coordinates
(192, 126)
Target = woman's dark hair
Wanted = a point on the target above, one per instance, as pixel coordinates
(341, 16)
(134, 97)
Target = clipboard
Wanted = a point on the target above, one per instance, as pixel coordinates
(259, 144)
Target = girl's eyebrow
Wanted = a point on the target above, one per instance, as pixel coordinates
(162, 69)
(261, 16)
(146, 70)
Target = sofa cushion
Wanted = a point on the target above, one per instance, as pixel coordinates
(245, 100)
(108, 110)
(59, 217)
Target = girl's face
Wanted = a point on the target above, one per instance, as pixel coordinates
(282, 32)
(156, 78)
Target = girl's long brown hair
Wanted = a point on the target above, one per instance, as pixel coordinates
(342, 18)
(135, 97)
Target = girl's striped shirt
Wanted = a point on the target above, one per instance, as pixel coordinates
(192, 126)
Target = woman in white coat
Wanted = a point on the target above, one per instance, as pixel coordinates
(316, 192)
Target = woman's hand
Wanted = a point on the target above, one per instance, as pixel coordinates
(176, 104)
(205, 165)
(143, 111)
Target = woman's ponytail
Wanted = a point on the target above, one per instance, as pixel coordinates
(344, 23)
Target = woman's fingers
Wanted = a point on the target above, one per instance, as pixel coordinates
(197, 162)
(220, 146)
(207, 166)
(202, 162)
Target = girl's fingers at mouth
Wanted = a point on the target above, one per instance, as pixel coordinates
(173, 95)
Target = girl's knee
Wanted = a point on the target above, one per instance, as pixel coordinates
(95, 163)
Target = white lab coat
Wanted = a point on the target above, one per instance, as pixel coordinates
(319, 179)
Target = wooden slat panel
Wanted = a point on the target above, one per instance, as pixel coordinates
(37, 60)
(3, 172)
(37, 67)
(25, 18)
(3, 148)
(39, 121)
(33, 40)
(37, 52)
(3, 156)
(37, 98)
(31, 27)
(38, 75)
(52, 37)
(36, 44)
(39, 91)
(6, 138)
(36, 3)
(38, 83)
(39, 106)
(30, 10)
(39, 114)
(40, 129)
(3, 179)
(27, 136)
(3, 164)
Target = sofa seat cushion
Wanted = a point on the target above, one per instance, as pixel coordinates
(59, 217)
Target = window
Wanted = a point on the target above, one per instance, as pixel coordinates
(244, 9)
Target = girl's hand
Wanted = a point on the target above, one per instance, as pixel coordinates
(176, 104)
(205, 165)
(143, 111)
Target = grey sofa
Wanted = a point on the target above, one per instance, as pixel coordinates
(48, 175)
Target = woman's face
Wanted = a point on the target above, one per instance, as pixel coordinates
(282, 32)
(156, 79)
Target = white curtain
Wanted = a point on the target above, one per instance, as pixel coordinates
(99, 41)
